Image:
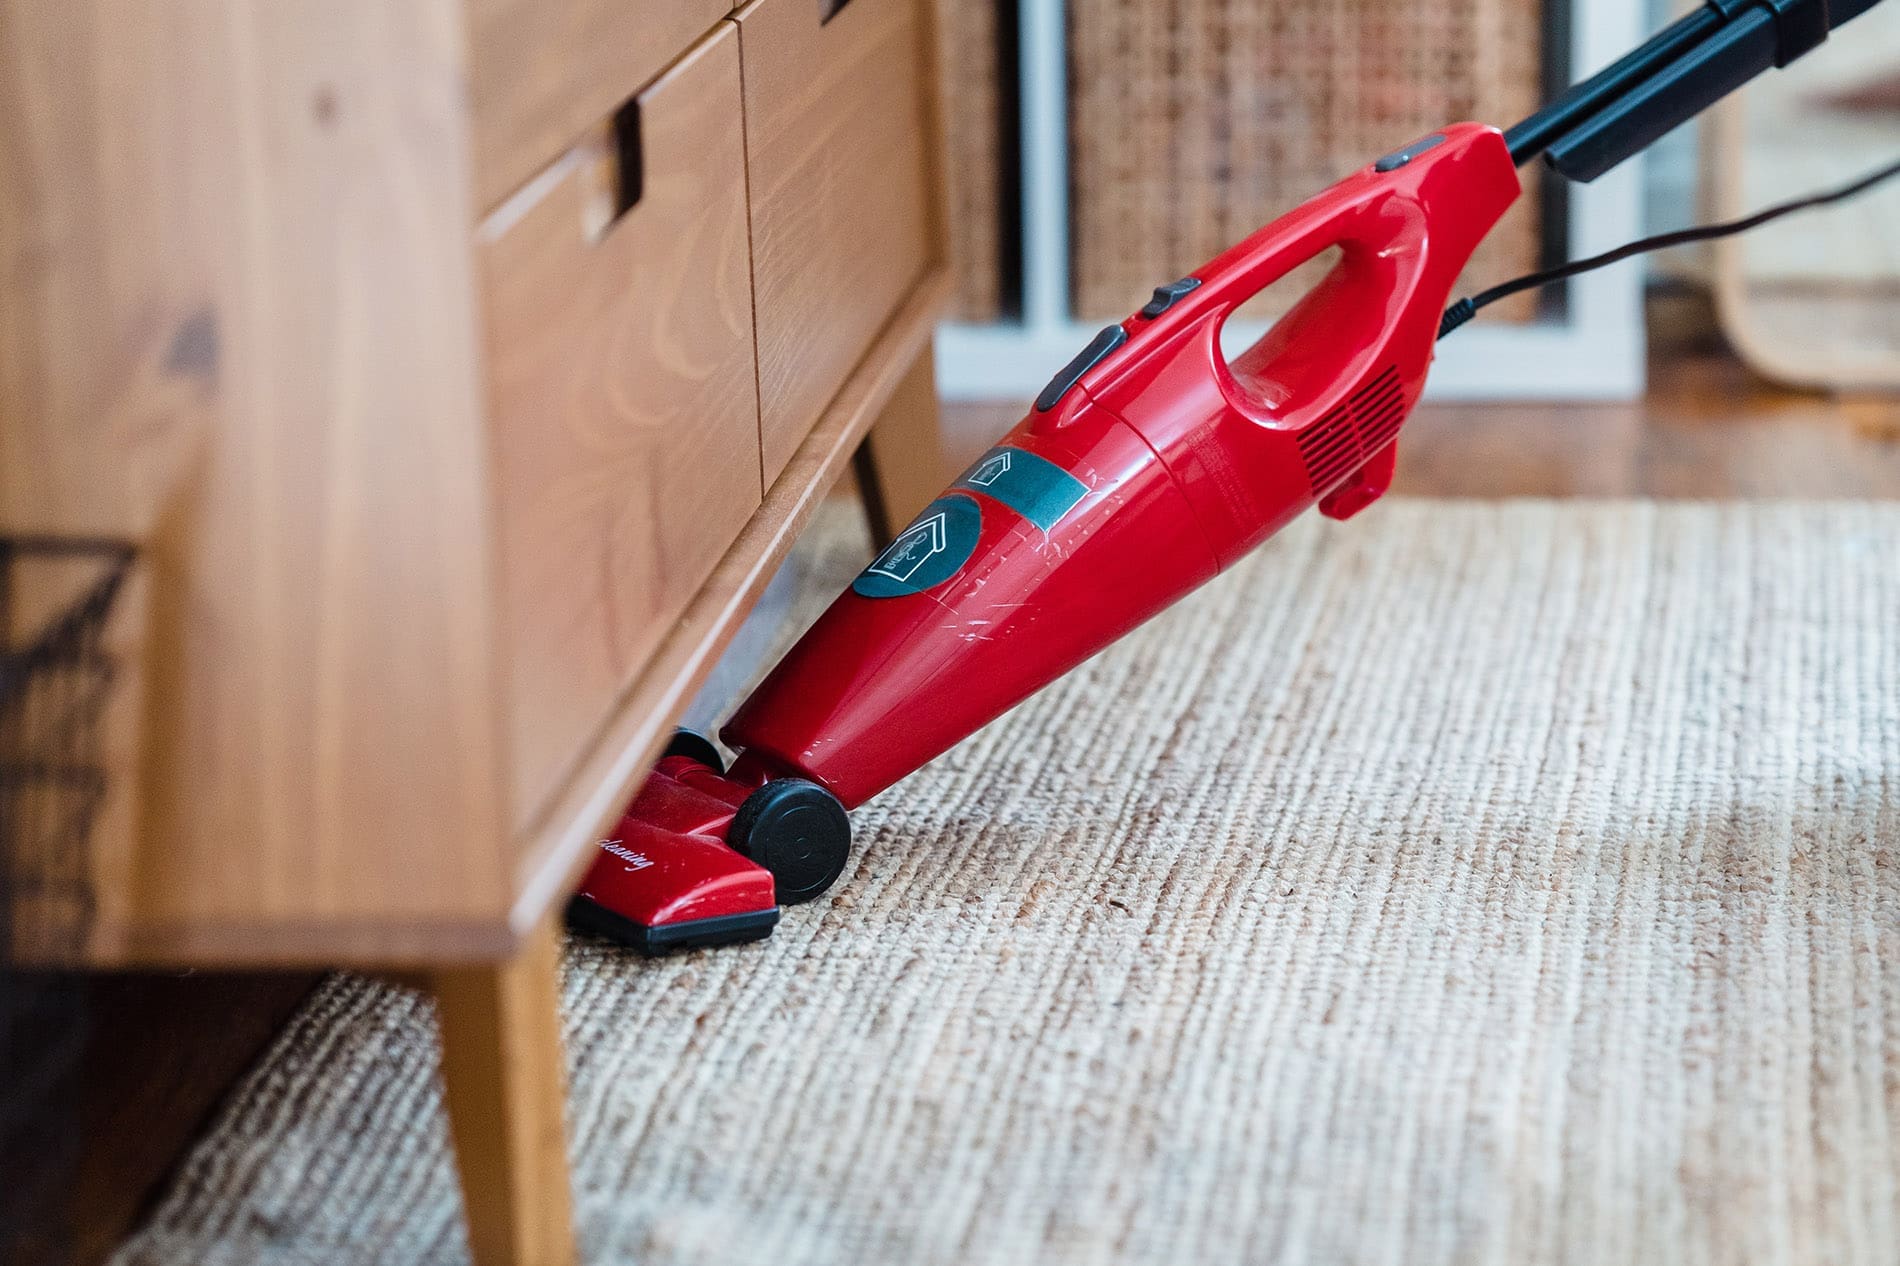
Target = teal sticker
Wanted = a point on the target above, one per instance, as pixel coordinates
(925, 554)
(1032, 486)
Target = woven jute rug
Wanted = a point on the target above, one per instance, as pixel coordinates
(1509, 883)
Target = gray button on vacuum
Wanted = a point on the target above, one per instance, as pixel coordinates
(1088, 358)
(1166, 296)
(1399, 157)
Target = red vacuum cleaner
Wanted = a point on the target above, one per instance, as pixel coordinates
(1148, 465)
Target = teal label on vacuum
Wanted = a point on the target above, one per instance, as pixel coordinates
(925, 554)
(1032, 486)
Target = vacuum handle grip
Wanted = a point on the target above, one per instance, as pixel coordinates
(1405, 226)
(1283, 378)
(1257, 263)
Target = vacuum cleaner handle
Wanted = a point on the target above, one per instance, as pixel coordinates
(1404, 227)
(1352, 353)
(1379, 265)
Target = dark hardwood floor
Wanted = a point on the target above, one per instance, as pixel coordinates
(159, 1051)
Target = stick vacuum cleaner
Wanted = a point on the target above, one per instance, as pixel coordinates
(1150, 463)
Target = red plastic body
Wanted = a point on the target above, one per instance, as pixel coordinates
(1172, 463)
(1187, 461)
(667, 863)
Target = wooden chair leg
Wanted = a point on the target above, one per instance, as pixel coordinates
(901, 463)
(503, 1074)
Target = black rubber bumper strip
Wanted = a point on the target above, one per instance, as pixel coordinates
(586, 915)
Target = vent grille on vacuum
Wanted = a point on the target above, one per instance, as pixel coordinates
(1344, 439)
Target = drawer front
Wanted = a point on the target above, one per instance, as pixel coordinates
(840, 233)
(541, 71)
(623, 403)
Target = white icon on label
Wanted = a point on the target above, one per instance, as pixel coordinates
(918, 545)
(990, 471)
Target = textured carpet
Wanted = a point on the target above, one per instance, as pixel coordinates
(1468, 883)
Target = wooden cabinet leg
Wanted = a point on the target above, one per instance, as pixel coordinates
(502, 1071)
(901, 463)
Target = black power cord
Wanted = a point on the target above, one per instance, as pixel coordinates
(1463, 310)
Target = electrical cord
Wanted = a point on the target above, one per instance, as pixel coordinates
(1463, 310)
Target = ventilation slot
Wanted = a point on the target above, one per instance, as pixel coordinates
(1330, 449)
(1344, 439)
(1377, 410)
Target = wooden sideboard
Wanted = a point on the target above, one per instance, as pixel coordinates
(459, 371)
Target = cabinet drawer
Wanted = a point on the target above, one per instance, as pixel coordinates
(540, 71)
(840, 232)
(622, 400)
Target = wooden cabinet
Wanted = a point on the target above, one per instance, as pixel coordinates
(623, 399)
(842, 223)
(240, 333)
(459, 371)
(542, 71)
(441, 509)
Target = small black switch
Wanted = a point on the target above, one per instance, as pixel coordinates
(1166, 296)
(1398, 158)
(1088, 358)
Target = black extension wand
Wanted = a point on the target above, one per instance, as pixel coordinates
(1627, 106)
(1674, 76)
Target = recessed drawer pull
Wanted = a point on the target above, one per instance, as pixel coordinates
(619, 175)
(629, 164)
(542, 72)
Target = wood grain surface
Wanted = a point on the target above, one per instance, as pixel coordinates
(504, 1077)
(239, 330)
(624, 405)
(841, 220)
(542, 71)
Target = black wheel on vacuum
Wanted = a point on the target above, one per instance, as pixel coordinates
(798, 831)
(695, 746)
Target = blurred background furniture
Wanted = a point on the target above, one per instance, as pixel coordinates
(1102, 148)
(449, 378)
(1814, 302)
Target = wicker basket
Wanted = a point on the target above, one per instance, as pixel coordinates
(1193, 122)
(55, 676)
(971, 87)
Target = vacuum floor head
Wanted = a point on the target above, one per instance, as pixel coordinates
(702, 858)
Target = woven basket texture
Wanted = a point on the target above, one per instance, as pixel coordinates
(969, 80)
(1194, 122)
